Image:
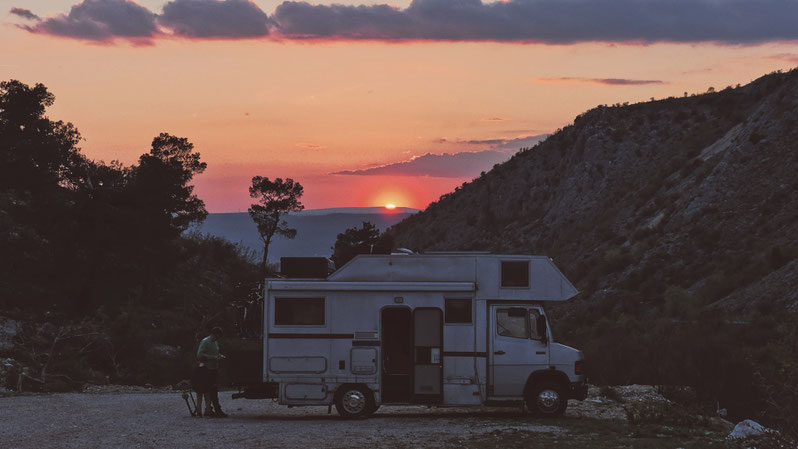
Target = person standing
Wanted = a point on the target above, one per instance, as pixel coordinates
(208, 357)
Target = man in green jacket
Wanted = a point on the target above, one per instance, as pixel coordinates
(208, 357)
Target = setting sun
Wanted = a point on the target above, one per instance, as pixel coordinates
(390, 206)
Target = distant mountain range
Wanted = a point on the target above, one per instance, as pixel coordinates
(317, 229)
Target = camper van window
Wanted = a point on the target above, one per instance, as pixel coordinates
(458, 311)
(515, 273)
(299, 311)
(510, 323)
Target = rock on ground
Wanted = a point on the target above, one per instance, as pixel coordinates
(748, 428)
(8, 330)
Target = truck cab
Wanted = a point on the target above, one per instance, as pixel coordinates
(525, 363)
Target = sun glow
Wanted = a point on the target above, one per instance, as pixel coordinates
(390, 206)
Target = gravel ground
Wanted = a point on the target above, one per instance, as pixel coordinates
(129, 420)
(120, 418)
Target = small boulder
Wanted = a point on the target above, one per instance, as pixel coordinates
(9, 370)
(747, 429)
(165, 352)
(8, 331)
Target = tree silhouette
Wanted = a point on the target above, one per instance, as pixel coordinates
(98, 248)
(363, 240)
(275, 198)
(161, 184)
(35, 153)
(84, 228)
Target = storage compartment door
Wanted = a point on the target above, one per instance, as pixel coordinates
(363, 361)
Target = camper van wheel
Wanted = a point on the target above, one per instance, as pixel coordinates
(354, 401)
(547, 399)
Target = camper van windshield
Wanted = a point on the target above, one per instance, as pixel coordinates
(511, 323)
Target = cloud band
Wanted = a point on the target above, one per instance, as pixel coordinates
(545, 21)
(26, 14)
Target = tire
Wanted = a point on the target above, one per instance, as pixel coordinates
(354, 401)
(547, 399)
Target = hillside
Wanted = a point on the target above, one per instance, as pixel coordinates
(695, 192)
(674, 218)
(317, 229)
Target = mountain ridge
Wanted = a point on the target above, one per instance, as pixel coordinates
(678, 221)
(631, 184)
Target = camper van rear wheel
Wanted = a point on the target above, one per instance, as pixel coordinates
(354, 401)
(547, 399)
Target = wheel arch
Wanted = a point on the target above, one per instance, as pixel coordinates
(343, 387)
(547, 375)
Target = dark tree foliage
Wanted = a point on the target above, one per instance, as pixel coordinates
(275, 198)
(363, 240)
(36, 153)
(161, 182)
(98, 252)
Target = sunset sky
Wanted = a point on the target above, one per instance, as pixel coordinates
(308, 90)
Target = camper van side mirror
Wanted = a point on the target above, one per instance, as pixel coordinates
(541, 327)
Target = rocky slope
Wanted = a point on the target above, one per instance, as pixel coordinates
(684, 196)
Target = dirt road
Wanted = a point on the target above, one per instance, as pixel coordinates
(144, 420)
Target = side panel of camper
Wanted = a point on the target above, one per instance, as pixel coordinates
(405, 346)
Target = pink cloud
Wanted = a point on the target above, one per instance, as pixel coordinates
(604, 81)
(101, 21)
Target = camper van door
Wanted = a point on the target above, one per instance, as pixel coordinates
(516, 349)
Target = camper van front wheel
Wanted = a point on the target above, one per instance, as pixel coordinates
(547, 399)
(354, 401)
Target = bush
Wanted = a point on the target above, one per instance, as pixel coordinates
(610, 393)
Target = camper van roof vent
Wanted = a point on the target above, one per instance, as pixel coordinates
(306, 267)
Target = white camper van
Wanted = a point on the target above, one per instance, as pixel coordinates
(444, 329)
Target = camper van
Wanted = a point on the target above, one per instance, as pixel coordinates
(440, 329)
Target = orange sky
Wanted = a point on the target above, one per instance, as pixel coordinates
(304, 110)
